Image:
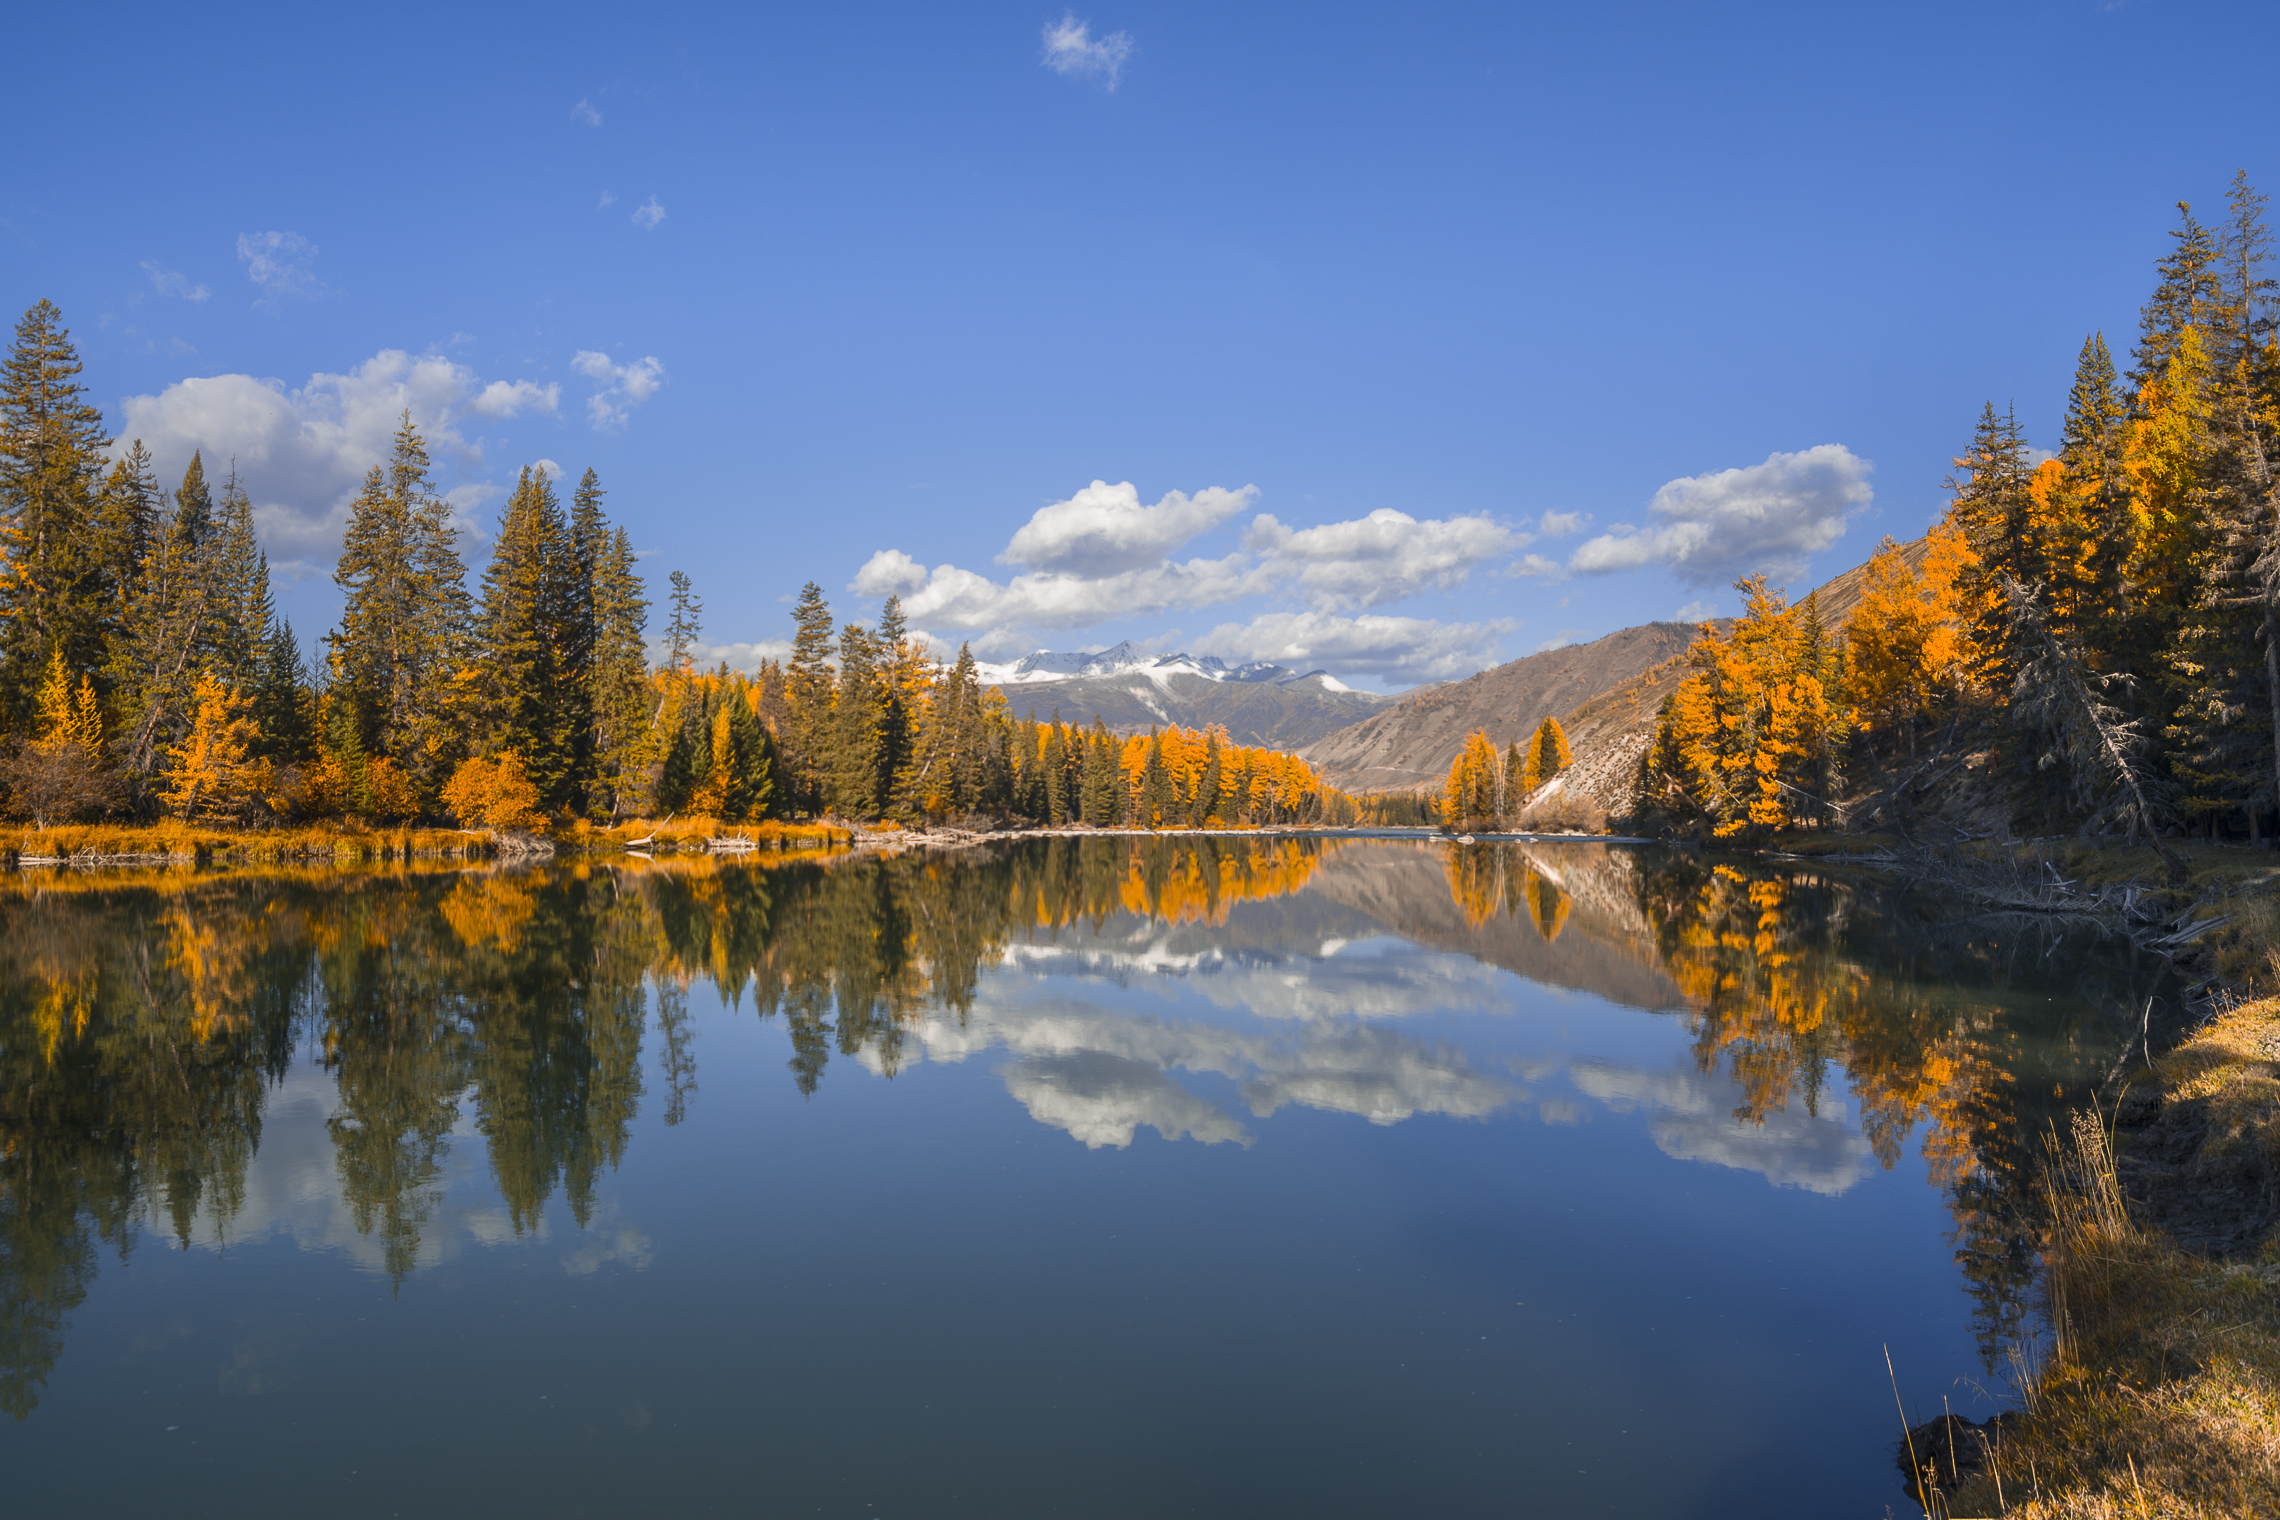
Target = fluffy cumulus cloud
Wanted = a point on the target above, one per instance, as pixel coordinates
(622, 386)
(1372, 645)
(281, 264)
(1072, 49)
(1105, 530)
(1104, 554)
(303, 452)
(1383, 557)
(1711, 528)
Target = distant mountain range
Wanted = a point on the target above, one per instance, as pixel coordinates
(1258, 703)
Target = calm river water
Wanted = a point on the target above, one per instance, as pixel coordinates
(1085, 1178)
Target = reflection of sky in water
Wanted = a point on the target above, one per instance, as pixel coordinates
(1103, 1028)
(293, 1191)
(1113, 1033)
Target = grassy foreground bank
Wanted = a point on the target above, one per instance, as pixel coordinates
(2161, 1395)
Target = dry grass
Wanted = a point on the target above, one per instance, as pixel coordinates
(2161, 1395)
(183, 841)
(695, 833)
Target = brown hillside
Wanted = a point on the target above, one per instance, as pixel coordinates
(1604, 693)
(1412, 742)
(1609, 732)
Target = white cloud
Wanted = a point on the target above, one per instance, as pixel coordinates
(1104, 529)
(1383, 557)
(1711, 528)
(504, 398)
(744, 657)
(553, 470)
(279, 263)
(890, 572)
(303, 452)
(168, 282)
(624, 386)
(584, 111)
(648, 214)
(1697, 611)
(1374, 644)
(609, 198)
(1529, 565)
(963, 599)
(1071, 48)
(1562, 639)
(1561, 524)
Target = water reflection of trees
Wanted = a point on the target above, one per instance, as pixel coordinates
(1940, 1021)
(144, 1020)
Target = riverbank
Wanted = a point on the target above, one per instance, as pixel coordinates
(2160, 1394)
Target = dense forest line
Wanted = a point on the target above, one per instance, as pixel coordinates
(2099, 623)
(144, 672)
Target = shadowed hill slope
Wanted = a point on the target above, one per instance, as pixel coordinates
(1604, 693)
(1412, 742)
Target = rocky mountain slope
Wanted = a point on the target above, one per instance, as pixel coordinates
(1258, 703)
(1605, 695)
(1412, 740)
(1609, 732)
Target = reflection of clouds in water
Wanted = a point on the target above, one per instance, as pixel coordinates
(1379, 978)
(1102, 1099)
(1380, 1075)
(1100, 1074)
(293, 1190)
(1824, 1154)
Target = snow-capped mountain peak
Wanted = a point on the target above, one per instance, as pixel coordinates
(1122, 659)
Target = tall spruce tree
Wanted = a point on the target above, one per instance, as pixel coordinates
(281, 700)
(240, 608)
(520, 635)
(619, 683)
(590, 542)
(809, 683)
(404, 630)
(857, 710)
(54, 595)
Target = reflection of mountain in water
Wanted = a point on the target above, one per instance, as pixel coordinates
(1566, 915)
(150, 1025)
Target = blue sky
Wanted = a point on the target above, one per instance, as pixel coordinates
(1607, 303)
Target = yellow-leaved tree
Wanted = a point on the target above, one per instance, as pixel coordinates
(1473, 793)
(1548, 755)
(1904, 646)
(208, 776)
(1746, 742)
(492, 794)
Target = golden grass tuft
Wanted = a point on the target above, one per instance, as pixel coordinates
(2161, 1394)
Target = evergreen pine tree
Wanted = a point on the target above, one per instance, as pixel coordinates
(280, 691)
(855, 747)
(54, 595)
(521, 638)
(619, 683)
(808, 690)
(239, 605)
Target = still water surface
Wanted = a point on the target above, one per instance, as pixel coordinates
(1094, 1178)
